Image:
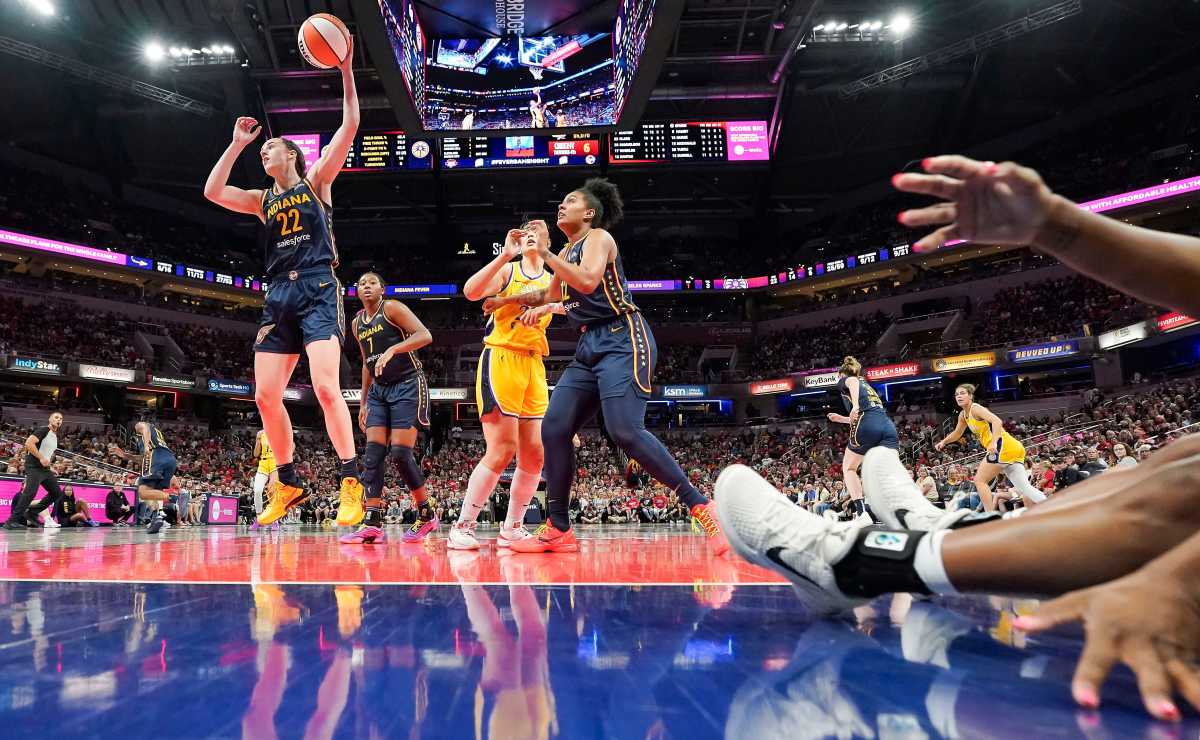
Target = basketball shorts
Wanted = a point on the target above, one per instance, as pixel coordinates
(400, 405)
(512, 381)
(302, 307)
(873, 429)
(611, 357)
(1008, 452)
(158, 468)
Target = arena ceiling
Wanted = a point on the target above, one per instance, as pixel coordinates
(729, 59)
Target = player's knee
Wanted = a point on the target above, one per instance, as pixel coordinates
(267, 399)
(499, 453)
(406, 464)
(531, 457)
(327, 392)
(624, 437)
(374, 455)
(556, 429)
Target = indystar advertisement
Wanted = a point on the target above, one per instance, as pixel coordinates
(170, 381)
(229, 387)
(964, 362)
(820, 380)
(764, 387)
(684, 391)
(31, 365)
(1038, 352)
(102, 372)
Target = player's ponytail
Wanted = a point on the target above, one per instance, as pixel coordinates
(301, 168)
(604, 197)
(851, 367)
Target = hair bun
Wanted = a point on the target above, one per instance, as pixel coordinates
(612, 208)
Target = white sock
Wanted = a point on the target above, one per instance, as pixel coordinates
(929, 566)
(1019, 478)
(260, 484)
(524, 485)
(481, 484)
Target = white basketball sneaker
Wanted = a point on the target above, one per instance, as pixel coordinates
(767, 529)
(50, 522)
(508, 536)
(462, 537)
(896, 499)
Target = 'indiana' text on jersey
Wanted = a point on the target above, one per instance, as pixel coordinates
(375, 336)
(610, 299)
(868, 399)
(299, 230)
(157, 440)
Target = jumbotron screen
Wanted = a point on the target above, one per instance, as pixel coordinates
(371, 151)
(582, 80)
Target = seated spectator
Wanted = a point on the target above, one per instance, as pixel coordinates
(71, 512)
(117, 507)
(1094, 464)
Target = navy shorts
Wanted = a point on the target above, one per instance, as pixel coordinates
(158, 468)
(301, 307)
(611, 357)
(401, 405)
(874, 429)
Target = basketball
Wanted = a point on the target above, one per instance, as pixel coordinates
(324, 40)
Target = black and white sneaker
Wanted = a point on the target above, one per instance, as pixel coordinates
(156, 522)
(767, 529)
(896, 499)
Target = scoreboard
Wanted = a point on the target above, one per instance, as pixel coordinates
(696, 141)
(372, 151)
(533, 150)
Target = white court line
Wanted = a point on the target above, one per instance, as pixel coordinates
(192, 582)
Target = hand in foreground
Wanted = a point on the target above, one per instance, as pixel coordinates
(985, 202)
(1149, 620)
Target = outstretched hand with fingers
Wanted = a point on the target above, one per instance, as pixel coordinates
(985, 202)
(1148, 620)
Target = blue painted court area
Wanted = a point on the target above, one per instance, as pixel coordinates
(125, 660)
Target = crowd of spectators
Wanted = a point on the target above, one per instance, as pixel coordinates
(52, 328)
(824, 346)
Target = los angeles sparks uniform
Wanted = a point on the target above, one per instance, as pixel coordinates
(1008, 450)
(266, 458)
(616, 348)
(873, 428)
(512, 374)
(158, 462)
(398, 399)
(304, 297)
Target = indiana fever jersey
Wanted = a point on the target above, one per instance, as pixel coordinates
(375, 335)
(507, 331)
(299, 230)
(868, 399)
(157, 440)
(610, 299)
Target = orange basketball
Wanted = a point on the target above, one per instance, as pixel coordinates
(324, 40)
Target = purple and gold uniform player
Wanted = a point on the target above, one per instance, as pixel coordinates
(395, 402)
(303, 309)
(613, 367)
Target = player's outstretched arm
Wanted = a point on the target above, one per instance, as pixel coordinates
(217, 187)
(1009, 204)
(326, 169)
(490, 278)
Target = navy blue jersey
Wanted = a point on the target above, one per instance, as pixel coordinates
(157, 441)
(610, 300)
(868, 399)
(375, 335)
(299, 230)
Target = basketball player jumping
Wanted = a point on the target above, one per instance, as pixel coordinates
(158, 465)
(303, 308)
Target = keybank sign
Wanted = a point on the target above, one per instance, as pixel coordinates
(31, 365)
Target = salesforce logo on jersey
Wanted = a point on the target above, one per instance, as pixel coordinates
(30, 365)
(230, 387)
(684, 391)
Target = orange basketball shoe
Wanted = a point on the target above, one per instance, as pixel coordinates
(283, 498)
(547, 539)
(706, 516)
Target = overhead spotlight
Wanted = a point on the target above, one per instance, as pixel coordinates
(205, 50)
(877, 25)
(45, 7)
(842, 26)
(227, 49)
(820, 27)
(830, 25)
(901, 24)
(154, 52)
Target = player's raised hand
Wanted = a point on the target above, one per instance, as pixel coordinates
(531, 317)
(984, 202)
(512, 243)
(492, 304)
(347, 64)
(245, 130)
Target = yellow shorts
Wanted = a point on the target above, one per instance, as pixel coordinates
(266, 468)
(1011, 451)
(513, 382)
